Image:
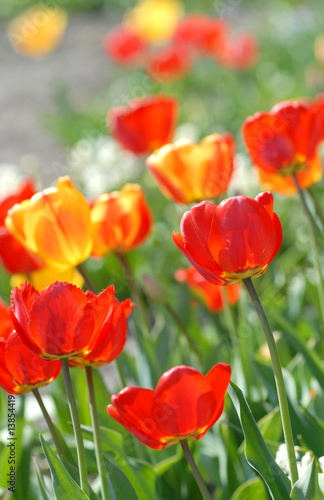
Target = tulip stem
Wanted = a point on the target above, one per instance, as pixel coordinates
(312, 234)
(318, 208)
(86, 278)
(49, 422)
(76, 426)
(282, 397)
(199, 480)
(174, 315)
(96, 435)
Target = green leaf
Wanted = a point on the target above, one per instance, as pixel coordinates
(306, 488)
(45, 494)
(64, 486)
(256, 451)
(271, 429)
(120, 487)
(162, 466)
(312, 359)
(254, 488)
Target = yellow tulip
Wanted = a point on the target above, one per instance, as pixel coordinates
(37, 31)
(44, 277)
(154, 20)
(55, 225)
(121, 220)
(187, 172)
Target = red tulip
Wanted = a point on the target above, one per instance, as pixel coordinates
(170, 63)
(148, 123)
(14, 257)
(184, 405)
(125, 46)
(20, 369)
(240, 52)
(60, 321)
(318, 104)
(201, 33)
(285, 142)
(212, 295)
(232, 241)
(111, 339)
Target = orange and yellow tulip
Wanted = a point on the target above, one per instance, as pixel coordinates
(38, 30)
(55, 225)
(187, 172)
(121, 220)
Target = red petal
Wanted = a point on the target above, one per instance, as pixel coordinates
(22, 300)
(62, 320)
(6, 381)
(184, 402)
(133, 408)
(101, 305)
(111, 339)
(26, 368)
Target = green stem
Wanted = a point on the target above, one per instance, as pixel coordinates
(312, 234)
(86, 278)
(96, 434)
(318, 208)
(282, 397)
(174, 315)
(199, 480)
(49, 422)
(76, 427)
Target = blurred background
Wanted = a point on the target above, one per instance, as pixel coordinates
(48, 104)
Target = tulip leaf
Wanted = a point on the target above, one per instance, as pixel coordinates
(120, 487)
(140, 474)
(45, 495)
(254, 488)
(64, 486)
(306, 488)
(162, 466)
(256, 451)
(312, 359)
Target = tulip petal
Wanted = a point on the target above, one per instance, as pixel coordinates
(22, 300)
(184, 402)
(133, 408)
(25, 367)
(61, 321)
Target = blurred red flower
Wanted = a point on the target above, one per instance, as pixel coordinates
(111, 339)
(212, 295)
(14, 257)
(240, 52)
(60, 321)
(284, 142)
(232, 241)
(125, 46)
(20, 369)
(201, 33)
(169, 63)
(184, 405)
(146, 124)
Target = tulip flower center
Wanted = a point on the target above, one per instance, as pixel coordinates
(297, 165)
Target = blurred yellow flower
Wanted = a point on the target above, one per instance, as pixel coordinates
(154, 20)
(44, 277)
(38, 30)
